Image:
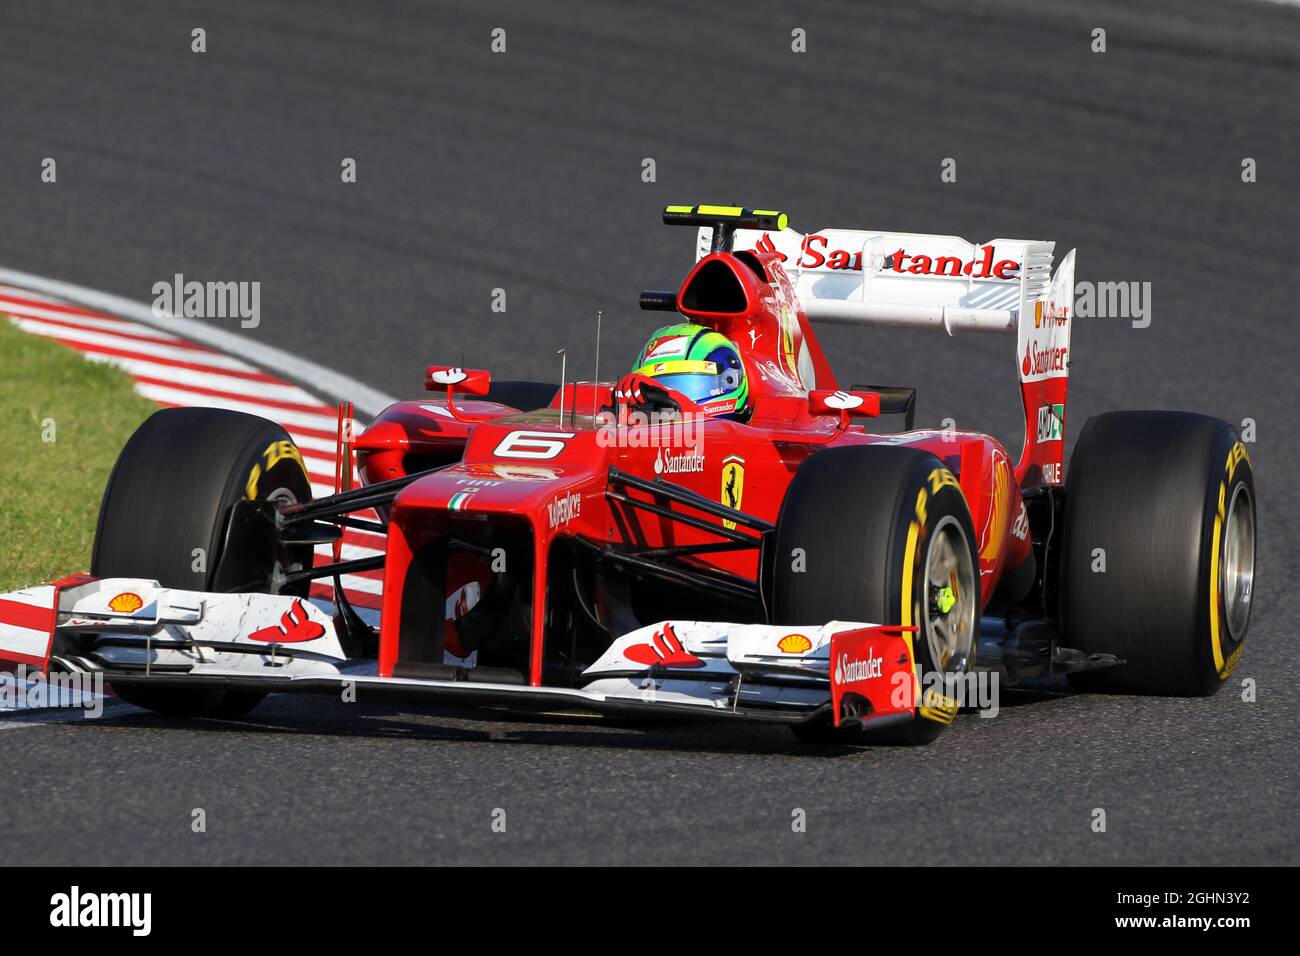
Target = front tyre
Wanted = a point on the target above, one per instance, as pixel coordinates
(1158, 551)
(165, 512)
(886, 538)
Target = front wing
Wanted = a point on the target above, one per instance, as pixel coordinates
(135, 632)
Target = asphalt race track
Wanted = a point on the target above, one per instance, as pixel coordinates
(522, 171)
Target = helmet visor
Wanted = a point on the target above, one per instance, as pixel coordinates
(700, 381)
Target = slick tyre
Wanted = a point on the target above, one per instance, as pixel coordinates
(165, 511)
(880, 530)
(1158, 551)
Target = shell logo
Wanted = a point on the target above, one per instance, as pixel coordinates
(128, 602)
(794, 644)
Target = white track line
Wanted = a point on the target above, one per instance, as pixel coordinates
(120, 326)
(276, 391)
(179, 396)
(331, 384)
(164, 350)
(311, 442)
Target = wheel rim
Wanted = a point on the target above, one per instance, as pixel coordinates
(950, 596)
(283, 497)
(1237, 563)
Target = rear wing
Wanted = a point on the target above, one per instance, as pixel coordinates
(858, 277)
(914, 280)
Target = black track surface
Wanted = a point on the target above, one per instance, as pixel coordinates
(522, 171)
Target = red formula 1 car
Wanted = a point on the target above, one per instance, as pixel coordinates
(718, 533)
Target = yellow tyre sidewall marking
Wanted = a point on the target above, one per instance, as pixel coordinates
(1223, 668)
(945, 708)
(275, 453)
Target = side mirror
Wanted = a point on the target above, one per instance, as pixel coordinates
(830, 401)
(444, 378)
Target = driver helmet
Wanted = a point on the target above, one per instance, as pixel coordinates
(701, 364)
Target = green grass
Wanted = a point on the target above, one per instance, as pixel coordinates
(50, 490)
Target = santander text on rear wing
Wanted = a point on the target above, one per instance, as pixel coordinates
(915, 280)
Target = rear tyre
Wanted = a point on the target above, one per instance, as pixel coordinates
(882, 529)
(1158, 551)
(170, 495)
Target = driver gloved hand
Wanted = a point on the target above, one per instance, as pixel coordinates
(641, 391)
